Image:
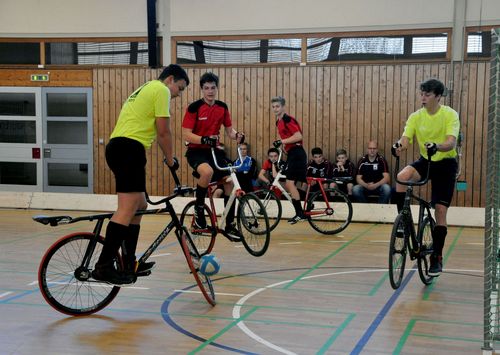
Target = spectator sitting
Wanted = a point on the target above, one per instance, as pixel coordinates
(246, 173)
(372, 176)
(344, 168)
(318, 167)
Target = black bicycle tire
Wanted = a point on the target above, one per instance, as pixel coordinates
(203, 245)
(266, 196)
(245, 225)
(204, 282)
(423, 261)
(318, 197)
(56, 299)
(394, 279)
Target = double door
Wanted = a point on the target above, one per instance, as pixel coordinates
(46, 139)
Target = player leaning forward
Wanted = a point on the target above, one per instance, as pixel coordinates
(436, 127)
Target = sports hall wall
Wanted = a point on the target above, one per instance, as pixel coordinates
(339, 106)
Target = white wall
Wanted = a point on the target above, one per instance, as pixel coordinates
(70, 18)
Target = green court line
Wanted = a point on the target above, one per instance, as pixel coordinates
(379, 284)
(223, 331)
(316, 266)
(429, 288)
(447, 338)
(411, 324)
(335, 335)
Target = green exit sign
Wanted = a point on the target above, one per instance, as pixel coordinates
(39, 77)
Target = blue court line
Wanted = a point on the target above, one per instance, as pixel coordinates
(380, 317)
(15, 297)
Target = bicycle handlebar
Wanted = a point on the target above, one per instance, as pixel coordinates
(231, 167)
(179, 190)
(412, 183)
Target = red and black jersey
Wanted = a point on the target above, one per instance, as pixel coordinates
(349, 170)
(206, 120)
(321, 170)
(287, 126)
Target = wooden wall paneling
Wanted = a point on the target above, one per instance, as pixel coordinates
(109, 90)
(299, 103)
(357, 147)
(382, 110)
(339, 122)
(353, 119)
(254, 102)
(324, 126)
(474, 139)
(311, 122)
(293, 92)
(479, 134)
(267, 120)
(464, 121)
(95, 130)
(483, 153)
(375, 103)
(368, 115)
(389, 114)
(257, 143)
(101, 131)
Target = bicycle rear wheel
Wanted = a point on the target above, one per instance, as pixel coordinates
(253, 224)
(329, 218)
(204, 239)
(66, 286)
(426, 247)
(397, 251)
(272, 205)
(193, 260)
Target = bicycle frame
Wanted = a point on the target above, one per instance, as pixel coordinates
(235, 192)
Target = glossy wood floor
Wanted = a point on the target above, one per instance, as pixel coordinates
(309, 294)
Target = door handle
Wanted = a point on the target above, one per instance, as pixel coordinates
(46, 152)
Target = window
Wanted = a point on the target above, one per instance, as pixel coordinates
(478, 44)
(19, 53)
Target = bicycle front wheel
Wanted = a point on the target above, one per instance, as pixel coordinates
(253, 224)
(65, 285)
(329, 217)
(204, 239)
(192, 255)
(426, 247)
(272, 205)
(397, 251)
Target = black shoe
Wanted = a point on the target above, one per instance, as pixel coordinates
(436, 266)
(144, 269)
(297, 218)
(108, 273)
(233, 232)
(309, 207)
(199, 217)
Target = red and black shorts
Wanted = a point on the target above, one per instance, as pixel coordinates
(127, 160)
(296, 164)
(196, 157)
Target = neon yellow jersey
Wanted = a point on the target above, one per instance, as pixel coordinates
(433, 129)
(137, 118)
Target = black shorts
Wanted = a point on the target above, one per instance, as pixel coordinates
(296, 164)
(443, 176)
(196, 157)
(127, 160)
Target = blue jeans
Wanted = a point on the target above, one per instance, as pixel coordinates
(360, 193)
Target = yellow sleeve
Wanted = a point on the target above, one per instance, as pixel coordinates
(162, 102)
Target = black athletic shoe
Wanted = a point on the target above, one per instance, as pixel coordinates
(199, 217)
(108, 273)
(144, 269)
(436, 266)
(297, 218)
(232, 231)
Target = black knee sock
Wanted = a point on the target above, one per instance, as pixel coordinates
(399, 197)
(201, 193)
(130, 244)
(230, 213)
(298, 207)
(115, 233)
(438, 237)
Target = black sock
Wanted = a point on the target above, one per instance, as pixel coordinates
(230, 213)
(115, 233)
(298, 207)
(438, 237)
(130, 244)
(201, 192)
(399, 197)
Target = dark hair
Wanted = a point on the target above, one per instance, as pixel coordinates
(279, 99)
(316, 151)
(209, 78)
(176, 71)
(433, 85)
(340, 152)
(273, 150)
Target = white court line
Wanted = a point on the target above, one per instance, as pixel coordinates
(94, 285)
(5, 294)
(475, 243)
(337, 241)
(157, 255)
(379, 241)
(216, 293)
(289, 243)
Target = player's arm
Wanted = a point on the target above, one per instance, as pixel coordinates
(189, 136)
(294, 138)
(164, 138)
(449, 144)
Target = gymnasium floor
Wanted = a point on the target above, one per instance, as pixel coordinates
(309, 294)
